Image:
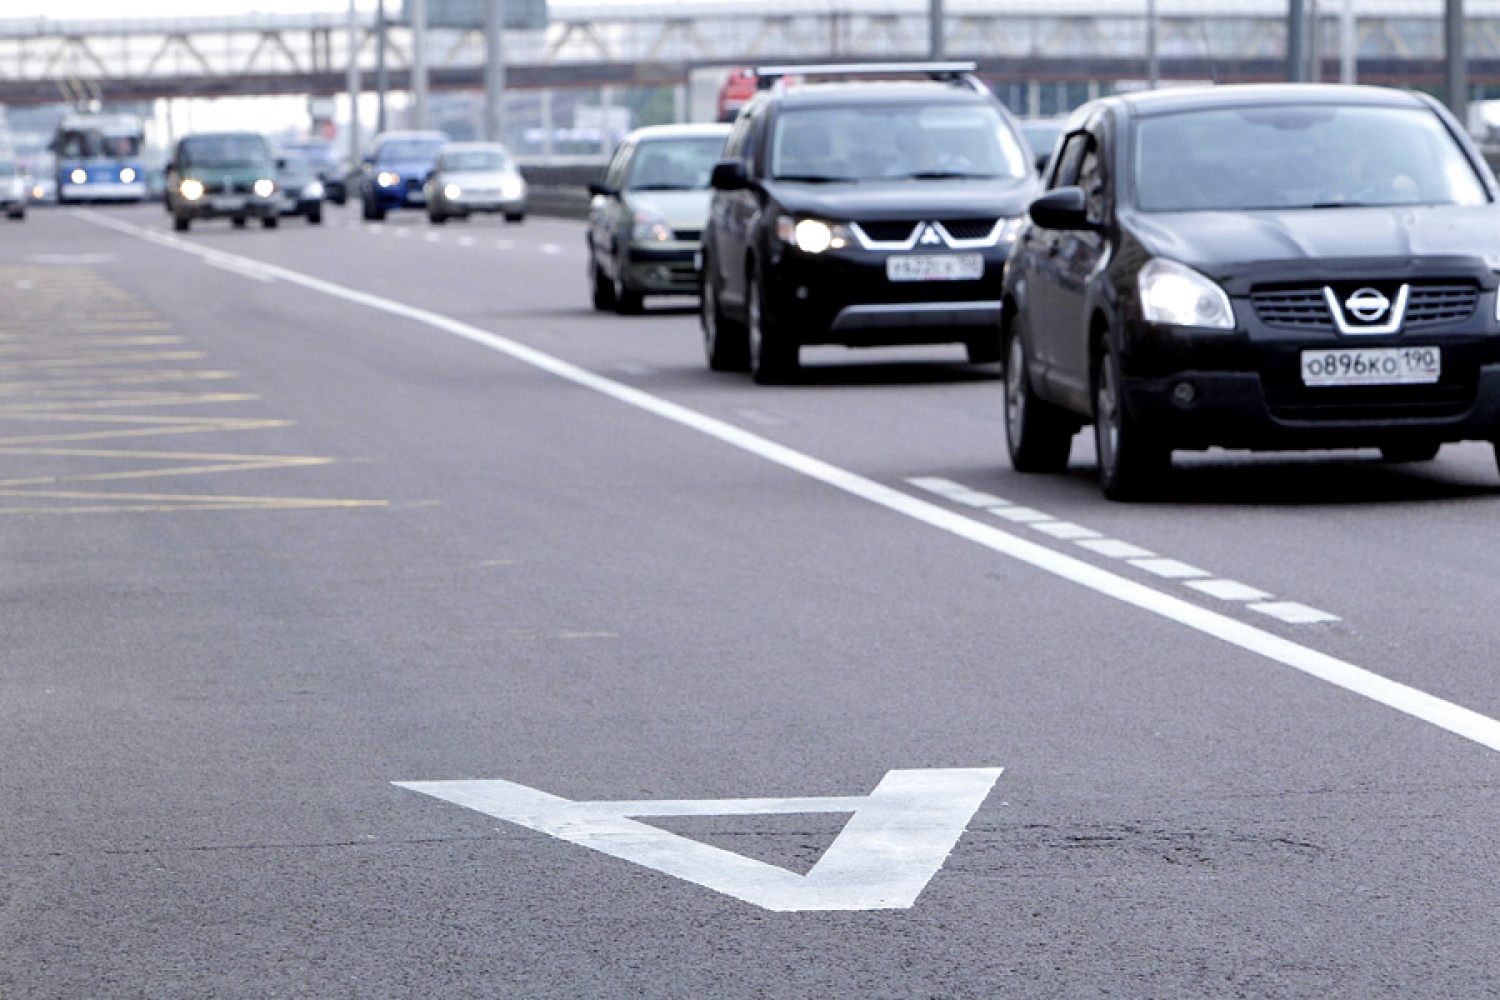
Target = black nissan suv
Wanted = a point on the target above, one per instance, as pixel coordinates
(1257, 267)
(861, 206)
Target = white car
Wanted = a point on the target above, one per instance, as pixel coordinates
(15, 190)
(474, 177)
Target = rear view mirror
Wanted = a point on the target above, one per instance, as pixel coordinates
(1064, 208)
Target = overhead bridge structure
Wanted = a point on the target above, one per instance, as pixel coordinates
(626, 44)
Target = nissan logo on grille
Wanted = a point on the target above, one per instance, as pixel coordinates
(1366, 311)
(1367, 305)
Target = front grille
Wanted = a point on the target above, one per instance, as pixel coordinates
(889, 232)
(1354, 403)
(970, 229)
(412, 184)
(1306, 307)
(689, 234)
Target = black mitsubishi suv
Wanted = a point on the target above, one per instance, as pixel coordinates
(861, 206)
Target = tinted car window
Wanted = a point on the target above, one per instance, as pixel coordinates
(674, 165)
(409, 149)
(475, 159)
(224, 149)
(901, 140)
(1302, 156)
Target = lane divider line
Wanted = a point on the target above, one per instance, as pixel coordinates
(1403, 698)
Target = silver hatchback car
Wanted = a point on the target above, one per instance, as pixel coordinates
(474, 177)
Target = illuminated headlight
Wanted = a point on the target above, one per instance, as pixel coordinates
(512, 188)
(387, 179)
(648, 227)
(37, 193)
(264, 188)
(127, 176)
(1010, 229)
(313, 191)
(1174, 295)
(79, 176)
(452, 192)
(190, 189)
(812, 235)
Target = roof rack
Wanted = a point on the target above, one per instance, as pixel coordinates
(770, 76)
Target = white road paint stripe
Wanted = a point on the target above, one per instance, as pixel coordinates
(1116, 549)
(506, 244)
(1021, 515)
(1229, 590)
(1066, 530)
(1169, 569)
(1403, 698)
(434, 238)
(466, 241)
(1293, 613)
(551, 248)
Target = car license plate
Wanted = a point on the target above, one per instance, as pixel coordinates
(1373, 366)
(935, 267)
(229, 203)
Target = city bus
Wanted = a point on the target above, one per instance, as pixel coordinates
(100, 158)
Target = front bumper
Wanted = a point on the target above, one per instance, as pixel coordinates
(103, 191)
(228, 206)
(1245, 390)
(661, 269)
(845, 297)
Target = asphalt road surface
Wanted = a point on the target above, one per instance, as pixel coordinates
(381, 621)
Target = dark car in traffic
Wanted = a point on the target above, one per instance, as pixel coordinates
(300, 190)
(1254, 267)
(861, 206)
(395, 171)
(222, 175)
(331, 166)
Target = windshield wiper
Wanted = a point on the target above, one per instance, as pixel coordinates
(662, 187)
(944, 175)
(1344, 204)
(814, 179)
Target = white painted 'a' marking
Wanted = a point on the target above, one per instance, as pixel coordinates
(897, 839)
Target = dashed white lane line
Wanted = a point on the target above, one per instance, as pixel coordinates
(551, 248)
(1201, 580)
(1446, 715)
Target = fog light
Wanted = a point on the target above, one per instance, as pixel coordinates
(1184, 394)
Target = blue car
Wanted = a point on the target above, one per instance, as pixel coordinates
(395, 169)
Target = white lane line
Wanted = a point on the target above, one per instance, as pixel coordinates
(1066, 530)
(506, 244)
(466, 241)
(551, 248)
(1116, 549)
(434, 238)
(1170, 569)
(1229, 590)
(1404, 698)
(1021, 515)
(1293, 613)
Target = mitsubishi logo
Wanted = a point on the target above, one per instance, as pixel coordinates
(930, 236)
(1367, 305)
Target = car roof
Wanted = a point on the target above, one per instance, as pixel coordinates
(1175, 99)
(412, 134)
(475, 146)
(846, 92)
(688, 130)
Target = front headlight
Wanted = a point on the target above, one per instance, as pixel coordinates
(264, 188)
(79, 176)
(190, 189)
(1174, 295)
(452, 192)
(387, 179)
(1010, 229)
(648, 227)
(313, 192)
(812, 235)
(512, 187)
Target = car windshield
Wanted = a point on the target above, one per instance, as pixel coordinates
(224, 150)
(895, 141)
(674, 164)
(7, 169)
(402, 150)
(295, 169)
(475, 159)
(1299, 156)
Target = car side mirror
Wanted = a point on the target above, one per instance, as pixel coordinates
(729, 175)
(1063, 208)
(599, 189)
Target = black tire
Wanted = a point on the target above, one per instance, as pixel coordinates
(181, 223)
(238, 221)
(372, 212)
(628, 302)
(269, 222)
(724, 340)
(773, 351)
(515, 216)
(1410, 451)
(315, 216)
(436, 218)
(1132, 466)
(1038, 434)
(601, 290)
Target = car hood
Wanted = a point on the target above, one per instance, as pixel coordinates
(481, 179)
(245, 174)
(681, 209)
(1224, 245)
(907, 199)
(406, 168)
